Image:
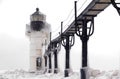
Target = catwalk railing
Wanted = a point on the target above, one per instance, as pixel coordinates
(82, 26)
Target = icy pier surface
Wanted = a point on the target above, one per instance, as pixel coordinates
(94, 74)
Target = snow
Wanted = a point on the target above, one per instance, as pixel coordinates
(94, 74)
(21, 74)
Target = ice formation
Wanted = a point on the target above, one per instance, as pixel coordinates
(94, 74)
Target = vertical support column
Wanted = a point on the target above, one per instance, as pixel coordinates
(55, 62)
(67, 60)
(49, 55)
(50, 64)
(67, 64)
(45, 57)
(84, 32)
(84, 39)
(57, 47)
(67, 42)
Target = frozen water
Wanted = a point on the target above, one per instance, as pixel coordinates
(94, 74)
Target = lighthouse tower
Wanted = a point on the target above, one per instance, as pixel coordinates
(38, 32)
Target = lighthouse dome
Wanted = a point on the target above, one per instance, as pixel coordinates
(38, 16)
(37, 20)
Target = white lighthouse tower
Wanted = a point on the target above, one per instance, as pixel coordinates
(38, 32)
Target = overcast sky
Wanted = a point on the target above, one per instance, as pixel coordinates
(104, 51)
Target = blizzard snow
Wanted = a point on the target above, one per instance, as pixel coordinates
(94, 74)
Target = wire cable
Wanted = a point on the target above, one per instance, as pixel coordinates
(82, 5)
(66, 19)
(68, 15)
(67, 24)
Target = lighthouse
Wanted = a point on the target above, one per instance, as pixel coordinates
(38, 32)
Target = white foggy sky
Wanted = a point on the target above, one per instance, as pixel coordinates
(14, 45)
